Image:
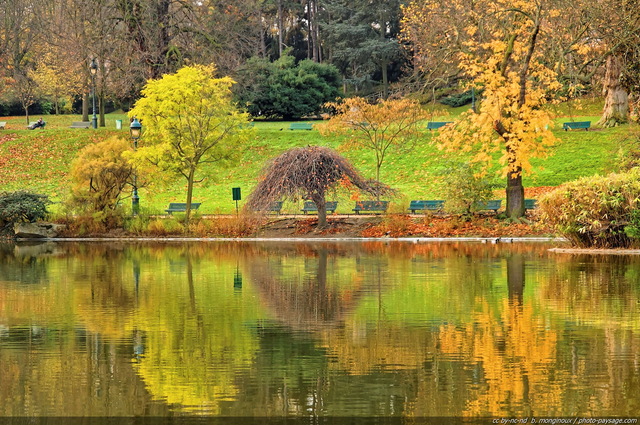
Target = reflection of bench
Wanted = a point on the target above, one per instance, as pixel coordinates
(576, 125)
(530, 204)
(80, 124)
(370, 206)
(425, 206)
(181, 207)
(300, 126)
(434, 125)
(490, 205)
(310, 206)
(3, 124)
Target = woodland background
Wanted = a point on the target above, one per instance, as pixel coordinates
(379, 48)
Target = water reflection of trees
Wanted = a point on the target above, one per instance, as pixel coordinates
(317, 292)
(407, 329)
(75, 374)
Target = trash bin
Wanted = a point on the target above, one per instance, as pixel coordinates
(118, 124)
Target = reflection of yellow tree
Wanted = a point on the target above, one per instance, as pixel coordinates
(194, 345)
(518, 357)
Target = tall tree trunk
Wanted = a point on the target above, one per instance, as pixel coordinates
(515, 194)
(190, 181)
(85, 106)
(280, 28)
(101, 110)
(385, 79)
(616, 104)
(515, 189)
(313, 29)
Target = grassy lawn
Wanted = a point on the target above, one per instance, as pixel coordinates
(39, 160)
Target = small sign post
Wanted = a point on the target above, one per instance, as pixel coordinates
(235, 192)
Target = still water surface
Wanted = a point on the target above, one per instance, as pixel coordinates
(317, 329)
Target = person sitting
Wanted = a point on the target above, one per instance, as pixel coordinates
(39, 123)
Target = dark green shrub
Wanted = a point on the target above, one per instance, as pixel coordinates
(284, 89)
(461, 99)
(22, 207)
(596, 211)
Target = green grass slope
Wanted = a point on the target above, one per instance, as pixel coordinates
(39, 161)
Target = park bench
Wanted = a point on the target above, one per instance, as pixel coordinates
(371, 206)
(300, 126)
(530, 204)
(181, 207)
(434, 125)
(80, 124)
(3, 124)
(310, 206)
(493, 205)
(275, 207)
(425, 206)
(576, 125)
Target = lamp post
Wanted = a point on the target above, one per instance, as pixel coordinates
(94, 70)
(136, 130)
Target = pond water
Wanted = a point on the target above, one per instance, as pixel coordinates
(358, 329)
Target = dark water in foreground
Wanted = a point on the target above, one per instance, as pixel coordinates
(317, 330)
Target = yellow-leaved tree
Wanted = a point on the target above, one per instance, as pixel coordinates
(190, 120)
(501, 54)
(100, 174)
(383, 127)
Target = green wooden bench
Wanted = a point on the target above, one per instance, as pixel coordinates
(3, 124)
(371, 206)
(181, 207)
(80, 124)
(310, 206)
(576, 125)
(493, 205)
(300, 126)
(275, 207)
(530, 204)
(425, 206)
(434, 125)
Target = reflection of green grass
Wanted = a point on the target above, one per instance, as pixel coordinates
(39, 160)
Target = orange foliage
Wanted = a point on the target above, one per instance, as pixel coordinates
(451, 226)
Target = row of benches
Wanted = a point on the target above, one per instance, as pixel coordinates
(434, 125)
(493, 205)
(367, 206)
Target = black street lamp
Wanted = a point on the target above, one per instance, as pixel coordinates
(94, 70)
(136, 130)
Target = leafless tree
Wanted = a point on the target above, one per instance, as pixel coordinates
(308, 173)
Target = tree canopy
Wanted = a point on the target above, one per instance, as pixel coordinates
(284, 89)
(190, 119)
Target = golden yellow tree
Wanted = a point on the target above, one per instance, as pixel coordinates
(501, 54)
(383, 127)
(190, 121)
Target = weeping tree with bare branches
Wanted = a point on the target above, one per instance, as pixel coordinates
(308, 173)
